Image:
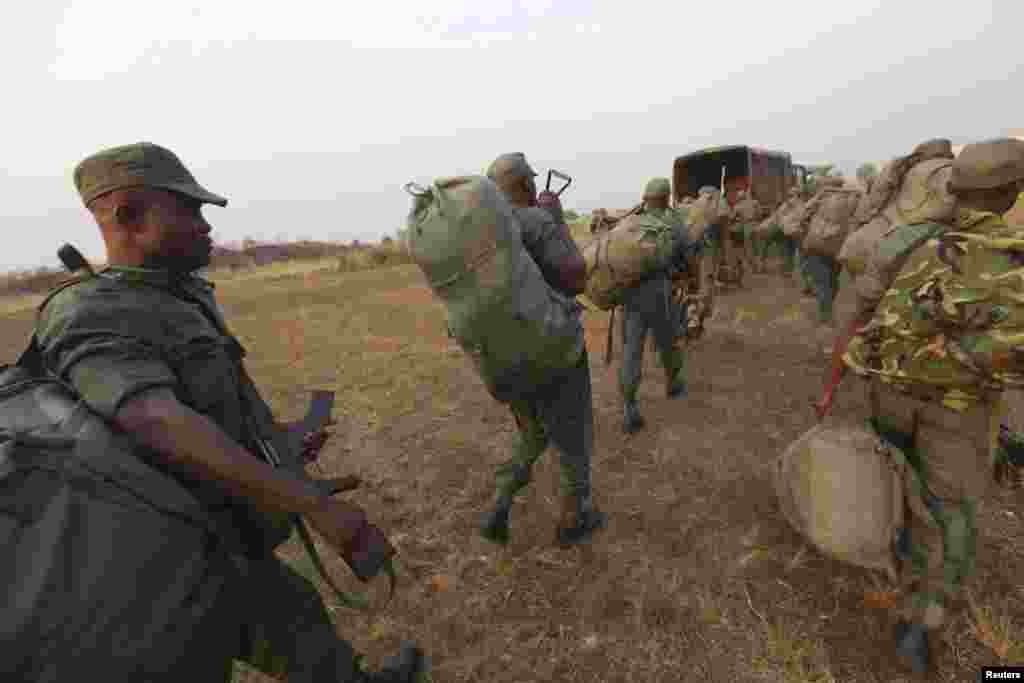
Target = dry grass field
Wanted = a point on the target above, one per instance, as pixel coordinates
(697, 578)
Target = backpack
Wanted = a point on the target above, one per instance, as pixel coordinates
(952, 316)
(831, 221)
(517, 330)
(110, 568)
(705, 211)
(639, 246)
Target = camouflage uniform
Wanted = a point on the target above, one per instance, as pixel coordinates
(128, 330)
(560, 412)
(925, 396)
(648, 306)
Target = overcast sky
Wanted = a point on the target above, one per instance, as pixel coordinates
(310, 116)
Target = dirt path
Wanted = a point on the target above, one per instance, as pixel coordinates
(698, 577)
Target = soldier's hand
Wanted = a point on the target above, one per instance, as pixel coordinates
(312, 442)
(344, 526)
(550, 202)
(823, 408)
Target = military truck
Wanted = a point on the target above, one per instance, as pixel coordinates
(767, 174)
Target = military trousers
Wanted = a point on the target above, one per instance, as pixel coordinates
(789, 253)
(733, 246)
(560, 413)
(803, 269)
(824, 276)
(648, 307)
(768, 243)
(949, 475)
(275, 620)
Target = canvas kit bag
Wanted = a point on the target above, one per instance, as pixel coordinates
(517, 330)
(842, 488)
(637, 247)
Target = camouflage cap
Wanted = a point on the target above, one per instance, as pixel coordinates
(987, 165)
(509, 166)
(142, 164)
(657, 187)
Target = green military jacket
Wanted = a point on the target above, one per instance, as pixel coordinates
(128, 330)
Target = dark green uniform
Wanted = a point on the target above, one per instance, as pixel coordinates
(129, 330)
(560, 412)
(648, 307)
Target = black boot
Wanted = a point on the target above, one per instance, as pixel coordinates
(494, 526)
(676, 387)
(579, 521)
(912, 646)
(405, 667)
(633, 421)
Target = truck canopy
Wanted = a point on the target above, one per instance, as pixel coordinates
(767, 174)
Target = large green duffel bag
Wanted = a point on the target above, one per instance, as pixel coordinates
(518, 331)
(110, 570)
(636, 247)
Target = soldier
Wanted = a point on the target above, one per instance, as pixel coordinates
(647, 306)
(748, 212)
(822, 269)
(144, 344)
(789, 244)
(953, 426)
(562, 412)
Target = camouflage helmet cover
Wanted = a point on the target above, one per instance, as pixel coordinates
(142, 164)
(988, 165)
(657, 187)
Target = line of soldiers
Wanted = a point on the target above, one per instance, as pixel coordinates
(955, 434)
(145, 345)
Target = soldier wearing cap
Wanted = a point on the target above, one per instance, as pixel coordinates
(562, 413)
(952, 425)
(145, 345)
(648, 306)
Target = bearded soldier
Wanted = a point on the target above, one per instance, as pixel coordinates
(144, 344)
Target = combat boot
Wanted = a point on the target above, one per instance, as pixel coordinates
(912, 646)
(405, 667)
(676, 388)
(580, 519)
(495, 527)
(632, 421)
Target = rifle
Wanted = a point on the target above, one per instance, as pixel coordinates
(560, 176)
(371, 559)
(73, 260)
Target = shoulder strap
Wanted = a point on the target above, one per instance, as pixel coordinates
(32, 358)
